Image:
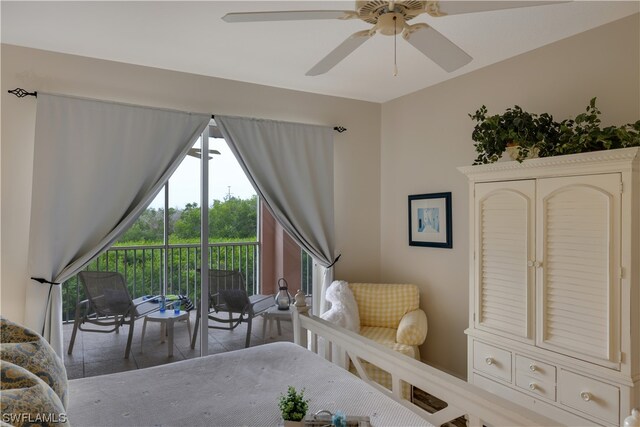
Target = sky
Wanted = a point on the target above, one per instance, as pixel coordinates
(225, 175)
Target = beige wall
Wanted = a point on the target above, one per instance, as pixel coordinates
(357, 182)
(427, 134)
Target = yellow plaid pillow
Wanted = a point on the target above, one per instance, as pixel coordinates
(383, 304)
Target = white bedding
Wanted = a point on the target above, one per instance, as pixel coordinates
(238, 388)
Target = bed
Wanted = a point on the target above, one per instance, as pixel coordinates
(230, 389)
(242, 387)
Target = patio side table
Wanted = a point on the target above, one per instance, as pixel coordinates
(166, 319)
(278, 315)
(274, 314)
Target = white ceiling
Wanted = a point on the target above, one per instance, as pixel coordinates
(191, 37)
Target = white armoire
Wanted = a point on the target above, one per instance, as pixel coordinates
(554, 316)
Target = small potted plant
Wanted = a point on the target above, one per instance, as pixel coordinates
(516, 130)
(293, 407)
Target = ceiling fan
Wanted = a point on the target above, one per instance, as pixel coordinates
(197, 153)
(391, 18)
(214, 132)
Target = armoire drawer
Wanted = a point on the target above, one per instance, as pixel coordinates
(590, 396)
(492, 360)
(535, 385)
(535, 369)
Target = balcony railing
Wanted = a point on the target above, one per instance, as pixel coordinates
(143, 270)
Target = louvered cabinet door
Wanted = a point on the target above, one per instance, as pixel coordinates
(578, 253)
(504, 249)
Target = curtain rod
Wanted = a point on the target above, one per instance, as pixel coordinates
(338, 129)
(21, 93)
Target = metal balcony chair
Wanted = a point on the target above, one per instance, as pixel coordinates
(227, 294)
(108, 304)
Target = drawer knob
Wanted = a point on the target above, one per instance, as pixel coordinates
(586, 396)
(533, 386)
(529, 263)
(489, 360)
(533, 368)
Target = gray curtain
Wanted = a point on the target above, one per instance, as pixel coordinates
(291, 167)
(97, 166)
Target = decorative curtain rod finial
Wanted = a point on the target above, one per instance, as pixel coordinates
(21, 93)
(339, 129)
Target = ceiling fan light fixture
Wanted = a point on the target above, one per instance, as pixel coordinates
(389, 23)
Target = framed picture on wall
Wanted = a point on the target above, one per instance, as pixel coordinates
(430, 220)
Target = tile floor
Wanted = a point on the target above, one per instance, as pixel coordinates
(98, 353)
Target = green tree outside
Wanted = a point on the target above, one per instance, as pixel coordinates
(139, 253)
(232, 218)
(187, 226)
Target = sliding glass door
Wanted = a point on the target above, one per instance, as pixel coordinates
(161, 252)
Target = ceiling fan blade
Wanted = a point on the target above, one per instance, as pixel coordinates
(287, 15)
(197, 153)
(434, 45)
(458, 7)
(339, 53)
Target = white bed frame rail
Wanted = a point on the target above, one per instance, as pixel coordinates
(463, 399)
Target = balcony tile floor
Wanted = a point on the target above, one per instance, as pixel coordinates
(99, 354)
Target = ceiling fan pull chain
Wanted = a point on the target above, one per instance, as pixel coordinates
(395, 47)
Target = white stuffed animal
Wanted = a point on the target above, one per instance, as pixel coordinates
(344, 309)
